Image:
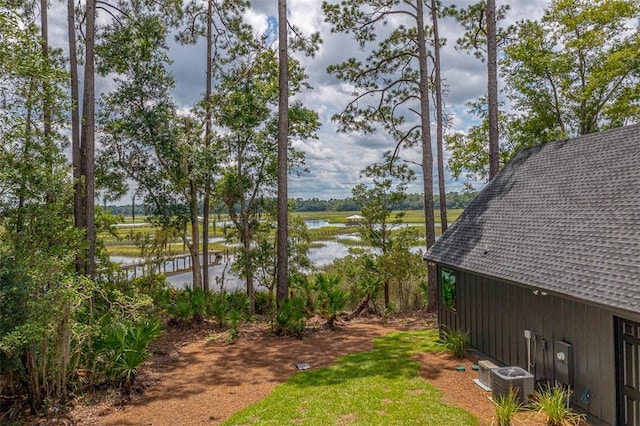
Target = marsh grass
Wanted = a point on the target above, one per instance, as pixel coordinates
(123, 246)
(379, 387)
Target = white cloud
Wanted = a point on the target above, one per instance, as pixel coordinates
(335, 159)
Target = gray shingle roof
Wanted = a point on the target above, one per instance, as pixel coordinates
(563, 217)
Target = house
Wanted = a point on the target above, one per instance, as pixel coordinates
(355, 220)
(543, 269)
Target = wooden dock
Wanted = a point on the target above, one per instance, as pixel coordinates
(168, 265)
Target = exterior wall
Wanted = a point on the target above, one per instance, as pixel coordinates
(495, 315)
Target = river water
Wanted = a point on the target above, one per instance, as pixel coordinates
(221, 278)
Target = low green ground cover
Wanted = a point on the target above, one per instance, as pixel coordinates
(380, 387)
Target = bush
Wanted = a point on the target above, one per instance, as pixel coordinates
(264, 303)
(456, 342)
(505, 406)
(219, 308)
(331, 298)
(126, 348)
(186, 304)
(553, 402)
(291, 317)
(234, 318)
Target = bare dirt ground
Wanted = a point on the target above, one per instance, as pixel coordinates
(195, 378)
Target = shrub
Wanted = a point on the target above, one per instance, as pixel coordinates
(331, 298)
(505, 406)
(187, 304)
(219, 308)
(553, 402)
(291, 317)
(264, 303)
(234, 318)
(127, 348)
(456, 342)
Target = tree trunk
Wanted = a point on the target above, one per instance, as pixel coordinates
(246, 245)
(133, 208)
(88, 139)
(46, 106)
(439, 118)
(427, 155)
(207, 143)
(361, 307)
(492, 87)
(194, 247)
(34, 390)
(76, 150)
(282, 268)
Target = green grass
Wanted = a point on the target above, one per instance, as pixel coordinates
(411, 216)
(380, 387)
(125, 247)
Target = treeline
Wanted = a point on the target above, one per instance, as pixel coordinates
(455, 200)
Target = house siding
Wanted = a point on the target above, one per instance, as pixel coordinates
(495, 314)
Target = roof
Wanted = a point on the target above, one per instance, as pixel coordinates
(563, 217)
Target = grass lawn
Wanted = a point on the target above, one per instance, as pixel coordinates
(381, 387)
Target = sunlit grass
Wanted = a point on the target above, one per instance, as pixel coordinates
(380, 387)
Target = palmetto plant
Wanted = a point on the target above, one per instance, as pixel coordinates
(129, 345)
(291, 317)
(331, 298)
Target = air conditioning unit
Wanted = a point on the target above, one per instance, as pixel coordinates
(505, 378)
(484, 371)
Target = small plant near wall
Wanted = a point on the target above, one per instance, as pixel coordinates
(505, 407)
(456, 342)
(553, 402)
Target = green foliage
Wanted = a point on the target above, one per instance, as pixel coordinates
(360, 270)
(219, 309)
(379, 387)
(243, 106)
(143, 137)
(40, 297)
(553, 402)
(235, 317)
(572, 73)
(456, 342)
(304, 288)
(470, 152)
(126, 347)
(264, 303)
(291, 317)
(505, 406)
(388, 186)
(331, 298)
(188, 304)
(403, 268)
(448, 289)
(473, 21)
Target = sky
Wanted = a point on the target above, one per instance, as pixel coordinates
(336, 159)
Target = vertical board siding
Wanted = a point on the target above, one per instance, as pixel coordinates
(496, 314)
